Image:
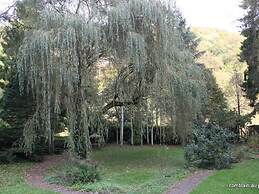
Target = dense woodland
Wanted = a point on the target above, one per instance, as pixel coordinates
(75, 75)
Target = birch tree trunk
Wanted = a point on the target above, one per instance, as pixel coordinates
(152, 128)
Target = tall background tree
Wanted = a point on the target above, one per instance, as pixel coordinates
(14, 107)
(250, 49)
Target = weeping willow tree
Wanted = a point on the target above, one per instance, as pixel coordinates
(142, 39)
(57, 64)
(155, 62)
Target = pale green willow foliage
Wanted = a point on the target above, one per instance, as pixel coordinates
(146, 35)
(57, 63)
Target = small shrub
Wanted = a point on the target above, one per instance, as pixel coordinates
(253, 142)
(240, 153)
(77, 173)
(210, 147)
(7, 156)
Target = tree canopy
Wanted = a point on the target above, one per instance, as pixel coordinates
(145, 42)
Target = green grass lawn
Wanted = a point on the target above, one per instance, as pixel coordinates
(12, 180)
(136, 170)
(246, 172)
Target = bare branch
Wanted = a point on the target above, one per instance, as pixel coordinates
(5, 14)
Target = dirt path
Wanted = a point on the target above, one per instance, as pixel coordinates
(186, 185)
(35, 176)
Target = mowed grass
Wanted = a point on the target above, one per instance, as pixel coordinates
(12, 180)
(246, 172)
(136, 170)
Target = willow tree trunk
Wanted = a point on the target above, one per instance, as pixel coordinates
(51, 136)
(79, 139)
(50, 142)
(122, 126)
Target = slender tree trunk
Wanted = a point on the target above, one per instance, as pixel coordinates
(50, 141)
(122, 126)
(160, 135)
(53, 127)
(117, 129)
(49, 119)
(147, 134)
(132, 132)
(139, 121)
(141, 134)
(152, 129)
(160, 130)
(49, 126)
(107, 134)
(156, 120)
(152, 134)
(163, 135)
